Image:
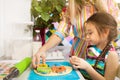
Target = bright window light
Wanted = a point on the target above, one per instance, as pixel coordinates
(117, 1)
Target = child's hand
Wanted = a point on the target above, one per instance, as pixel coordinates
(79, 63)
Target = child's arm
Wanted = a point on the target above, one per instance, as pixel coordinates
(82, 64)
(112, 63)
(110, 71)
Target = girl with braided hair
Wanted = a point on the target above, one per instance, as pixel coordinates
(101, 60)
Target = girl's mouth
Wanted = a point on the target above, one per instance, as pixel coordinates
(89, 42)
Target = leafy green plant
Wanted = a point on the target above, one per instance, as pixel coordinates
(44, 12)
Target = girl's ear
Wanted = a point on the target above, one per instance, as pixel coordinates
(106, 32)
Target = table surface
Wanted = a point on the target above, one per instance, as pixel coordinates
(25, 74)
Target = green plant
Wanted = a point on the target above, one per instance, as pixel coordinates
(44, 12)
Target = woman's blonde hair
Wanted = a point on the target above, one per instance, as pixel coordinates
(75, 7)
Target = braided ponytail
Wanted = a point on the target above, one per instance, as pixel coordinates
(101, 57)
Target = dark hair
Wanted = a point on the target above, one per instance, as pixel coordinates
(103, 21)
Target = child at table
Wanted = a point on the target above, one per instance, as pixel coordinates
(101, 60)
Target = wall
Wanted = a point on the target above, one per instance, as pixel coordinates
(14, 31)
(1, 24)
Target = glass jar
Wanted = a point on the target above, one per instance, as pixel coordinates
(37, 42)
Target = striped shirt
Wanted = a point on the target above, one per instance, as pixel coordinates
(79, 45)
(92, 54)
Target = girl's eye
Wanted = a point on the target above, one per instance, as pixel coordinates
(90, 33)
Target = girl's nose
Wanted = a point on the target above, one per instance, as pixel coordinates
(87, 38)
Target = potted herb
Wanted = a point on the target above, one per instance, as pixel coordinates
(44, 12)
